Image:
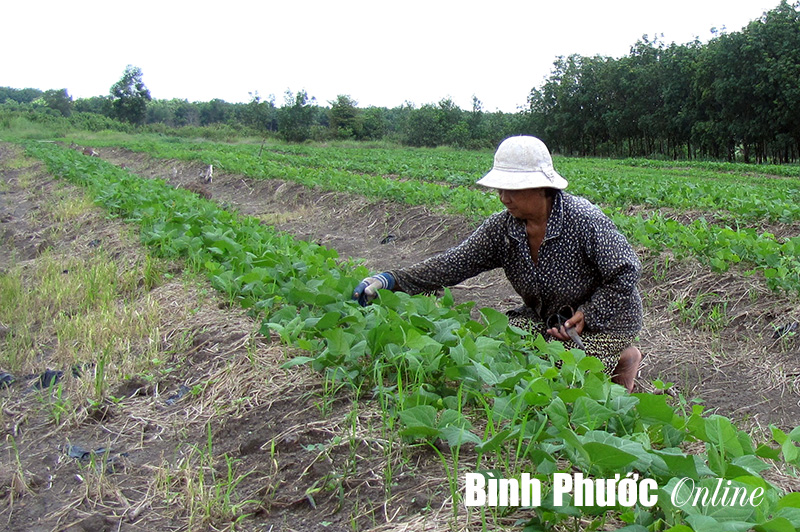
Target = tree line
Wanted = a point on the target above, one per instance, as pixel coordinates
(736, 97)
(298, 119)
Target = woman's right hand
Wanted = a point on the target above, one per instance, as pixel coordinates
(367, 290)
(576, 322)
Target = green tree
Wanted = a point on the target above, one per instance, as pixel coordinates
(679, 100)
(186, 114)
(774, 44)
(58, 100)
(261, 114)
(161, 112)
(374, 123)
(129, 97)
(174, 112)
(397, 119)
(96, 104)
(434, 125)
(422, 128)
(344, 117)
(558, 105)
(214, 112)
(474, 123)
(296, 116)
(735, 97)
(19, 95)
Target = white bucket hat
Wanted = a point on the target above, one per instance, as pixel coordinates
(522, 162)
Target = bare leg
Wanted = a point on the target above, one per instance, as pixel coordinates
(628, 366)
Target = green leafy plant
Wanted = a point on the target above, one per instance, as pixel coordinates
(434, 369)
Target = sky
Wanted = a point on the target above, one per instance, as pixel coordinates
(381, 53)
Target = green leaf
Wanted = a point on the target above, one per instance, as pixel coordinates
(538, 392)
(496, 322)
(447, 298)
(790, 500)
(792, 514)
(338, 341)
(419, 416)
(420, 421)
(570, 395)
(545, 463)
(486, 375)
(322, 300)
(672, 436)
(622, 404)
(297, 361)
(548, 503)
(679, 464)
(493, 443)
(487, 348)
(459, 354)
(453, 417)
(779, 524)
(557, 412)
(589, 413)
(705, 523)
(778, 435)
(330, 319)
(791, 452)
(389, 299)
(507, 381)
(654, 407)
(750, 464)
(644, 460)
(696, 424)
(505, 407)
(591, 364)
(446, 329)
(606, 457)
(421, 322)
(423, 343)
(721, 432)
(456, 436)
(705, 498)
(770, 453)
(423, 396)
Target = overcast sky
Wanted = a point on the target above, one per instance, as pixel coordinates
(380, 53)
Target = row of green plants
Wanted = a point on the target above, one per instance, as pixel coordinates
(522, 404)
(463, 167)
(730, 188)
(716, 245)
(743, 191)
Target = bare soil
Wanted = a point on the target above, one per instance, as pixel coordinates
(306, 459)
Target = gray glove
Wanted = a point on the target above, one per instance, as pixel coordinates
(367, 290)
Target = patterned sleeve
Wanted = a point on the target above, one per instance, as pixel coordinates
(616, 304)
(481, 251)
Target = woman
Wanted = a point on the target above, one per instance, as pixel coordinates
(576, 274)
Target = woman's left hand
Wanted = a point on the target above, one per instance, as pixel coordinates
(576, 321)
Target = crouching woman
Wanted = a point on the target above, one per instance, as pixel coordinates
(576, 274)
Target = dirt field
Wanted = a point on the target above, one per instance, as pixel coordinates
(284, 449)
